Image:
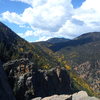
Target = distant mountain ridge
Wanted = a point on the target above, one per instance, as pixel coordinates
(57, 40)
(81, 40)
(95, 36)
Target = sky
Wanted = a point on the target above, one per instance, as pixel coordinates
(39, 20)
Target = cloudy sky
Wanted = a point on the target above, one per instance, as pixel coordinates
(37, 20)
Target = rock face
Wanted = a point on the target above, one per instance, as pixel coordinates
(5, 90)
(82, 95)
(20, 78)
(54, 81)
(28, 81)
(89, 72)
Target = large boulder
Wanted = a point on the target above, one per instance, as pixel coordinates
(49, 82)
(19, 74)
(5, 90)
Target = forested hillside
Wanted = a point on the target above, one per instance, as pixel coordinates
(82, 54)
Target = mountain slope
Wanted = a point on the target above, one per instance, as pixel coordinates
(12, 46)
(8, 40)
(83, 54)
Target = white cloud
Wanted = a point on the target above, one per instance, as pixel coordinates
(84, 19)
(71, 29)
(89, 12)
(48, 18)
(40, 34)
(36, 33)
(12, 17)
(26, 34)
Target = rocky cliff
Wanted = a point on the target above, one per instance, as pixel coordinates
(5, 90)
(20, 78)
(53, 81)
(28, 81)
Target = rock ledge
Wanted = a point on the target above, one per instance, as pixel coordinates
(82, 95)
